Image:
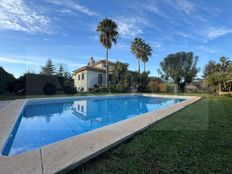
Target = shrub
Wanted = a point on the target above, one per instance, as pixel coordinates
(5, 79)
(170, 88)
(98, 88)
(113, 88)
(118, 88)
(69, 90)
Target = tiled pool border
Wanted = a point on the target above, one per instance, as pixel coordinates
(74, 151)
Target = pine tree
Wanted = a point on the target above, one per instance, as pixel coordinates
(48, 69)
(61, 71)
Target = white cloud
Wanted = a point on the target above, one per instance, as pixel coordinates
(16, 15)
(184, 5)
(18, 61)
(122, 46)
(130, 27)
(37, 61)
(184, 35)
(153, 8)
(70, 5)
(213, 33)
(156, 45)
(208, 49)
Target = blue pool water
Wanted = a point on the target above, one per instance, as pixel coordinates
(46, 122)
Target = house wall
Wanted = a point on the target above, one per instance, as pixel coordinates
(79, 84)
(90, 79)
(93, 78)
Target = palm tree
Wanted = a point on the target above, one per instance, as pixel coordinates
(120, 70)
(146, 53)
(108, 35)
(136, 49)
(144, 60)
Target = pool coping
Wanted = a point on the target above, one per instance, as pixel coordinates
(57, 157)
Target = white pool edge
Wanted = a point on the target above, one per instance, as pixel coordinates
(58, 157)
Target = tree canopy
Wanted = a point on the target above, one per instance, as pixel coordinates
(120, 72)
(181, 67)
(60, 71)
(48, 69)
(217, 73)
(108, 30)
(210, 68)
(5, 79)
(146, 53)
(141, 50)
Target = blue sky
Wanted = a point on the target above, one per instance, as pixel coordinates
(65, 31)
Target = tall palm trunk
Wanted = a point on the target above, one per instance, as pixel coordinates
(139, 66)
(107, 67)
(139, 74)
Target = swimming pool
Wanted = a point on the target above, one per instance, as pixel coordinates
(43, 122)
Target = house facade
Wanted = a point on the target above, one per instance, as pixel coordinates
(85, 78)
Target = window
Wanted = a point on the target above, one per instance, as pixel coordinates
(82, 108)
(79, 77)
(100, 78)
(83, 76)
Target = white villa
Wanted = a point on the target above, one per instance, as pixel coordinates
(94, 73)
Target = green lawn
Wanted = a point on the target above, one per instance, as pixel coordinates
(197, 139)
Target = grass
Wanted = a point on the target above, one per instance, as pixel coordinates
(197, 139)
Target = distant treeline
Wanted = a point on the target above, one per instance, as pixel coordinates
(47, 82)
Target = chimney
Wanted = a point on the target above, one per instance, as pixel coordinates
(91, 61)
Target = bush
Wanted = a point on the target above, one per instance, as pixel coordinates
(5, 79)
(118, 88)
(98, 88)
(170, 88)
(69, 90)
(143, 81)
(113, 88)
(229, 95)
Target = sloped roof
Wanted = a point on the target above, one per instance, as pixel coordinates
(89, 68)
(93, 67)
(103, 61)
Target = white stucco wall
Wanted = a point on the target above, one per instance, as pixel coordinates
(90, 79)
(81, 83)
(93, 78)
